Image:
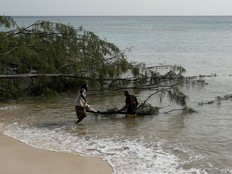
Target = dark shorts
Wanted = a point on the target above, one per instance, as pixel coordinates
(80, 111)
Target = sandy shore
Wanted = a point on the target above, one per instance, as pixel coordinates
(17, 157)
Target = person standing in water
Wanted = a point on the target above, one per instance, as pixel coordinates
(131, 103)
(81, 103)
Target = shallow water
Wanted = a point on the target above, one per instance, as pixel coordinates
(165, 143)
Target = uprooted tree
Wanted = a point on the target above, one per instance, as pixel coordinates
(47, 58)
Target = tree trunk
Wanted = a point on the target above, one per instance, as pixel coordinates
(116, 112)
(29, 75)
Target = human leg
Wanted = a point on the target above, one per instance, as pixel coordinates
(81, 114)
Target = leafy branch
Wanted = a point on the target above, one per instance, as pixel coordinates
(47, 57)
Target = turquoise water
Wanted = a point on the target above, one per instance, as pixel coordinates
(159, 144)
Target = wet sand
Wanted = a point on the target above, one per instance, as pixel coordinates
(17, 157)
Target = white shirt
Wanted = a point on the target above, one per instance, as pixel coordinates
(80, 101)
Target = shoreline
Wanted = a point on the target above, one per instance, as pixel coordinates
(18, 157)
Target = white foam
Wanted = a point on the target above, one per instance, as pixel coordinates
(8, 107)
(126, 156)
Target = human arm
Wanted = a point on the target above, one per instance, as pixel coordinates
(82, 98)
(125, 106)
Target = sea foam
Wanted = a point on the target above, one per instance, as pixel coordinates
(126, 156)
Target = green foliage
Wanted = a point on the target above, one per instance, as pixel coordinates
(177, 96)
(6, 21)
(148, 109)
(47, 48)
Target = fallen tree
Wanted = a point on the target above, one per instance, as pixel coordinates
(46, 58)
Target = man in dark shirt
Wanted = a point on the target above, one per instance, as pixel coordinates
(131, 103)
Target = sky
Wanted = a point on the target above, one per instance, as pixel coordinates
(114, 7)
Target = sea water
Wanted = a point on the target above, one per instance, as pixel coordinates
(173, 142)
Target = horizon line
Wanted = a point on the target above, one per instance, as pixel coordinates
(117, 15)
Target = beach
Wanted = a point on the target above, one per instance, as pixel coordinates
(173, 141)
(17, 157)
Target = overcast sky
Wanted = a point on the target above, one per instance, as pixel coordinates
(114, 7)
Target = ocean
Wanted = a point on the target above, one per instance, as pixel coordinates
(173, 142)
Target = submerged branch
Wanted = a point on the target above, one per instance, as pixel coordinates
(184, 110)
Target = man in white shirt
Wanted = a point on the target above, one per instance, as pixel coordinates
(81, 103)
